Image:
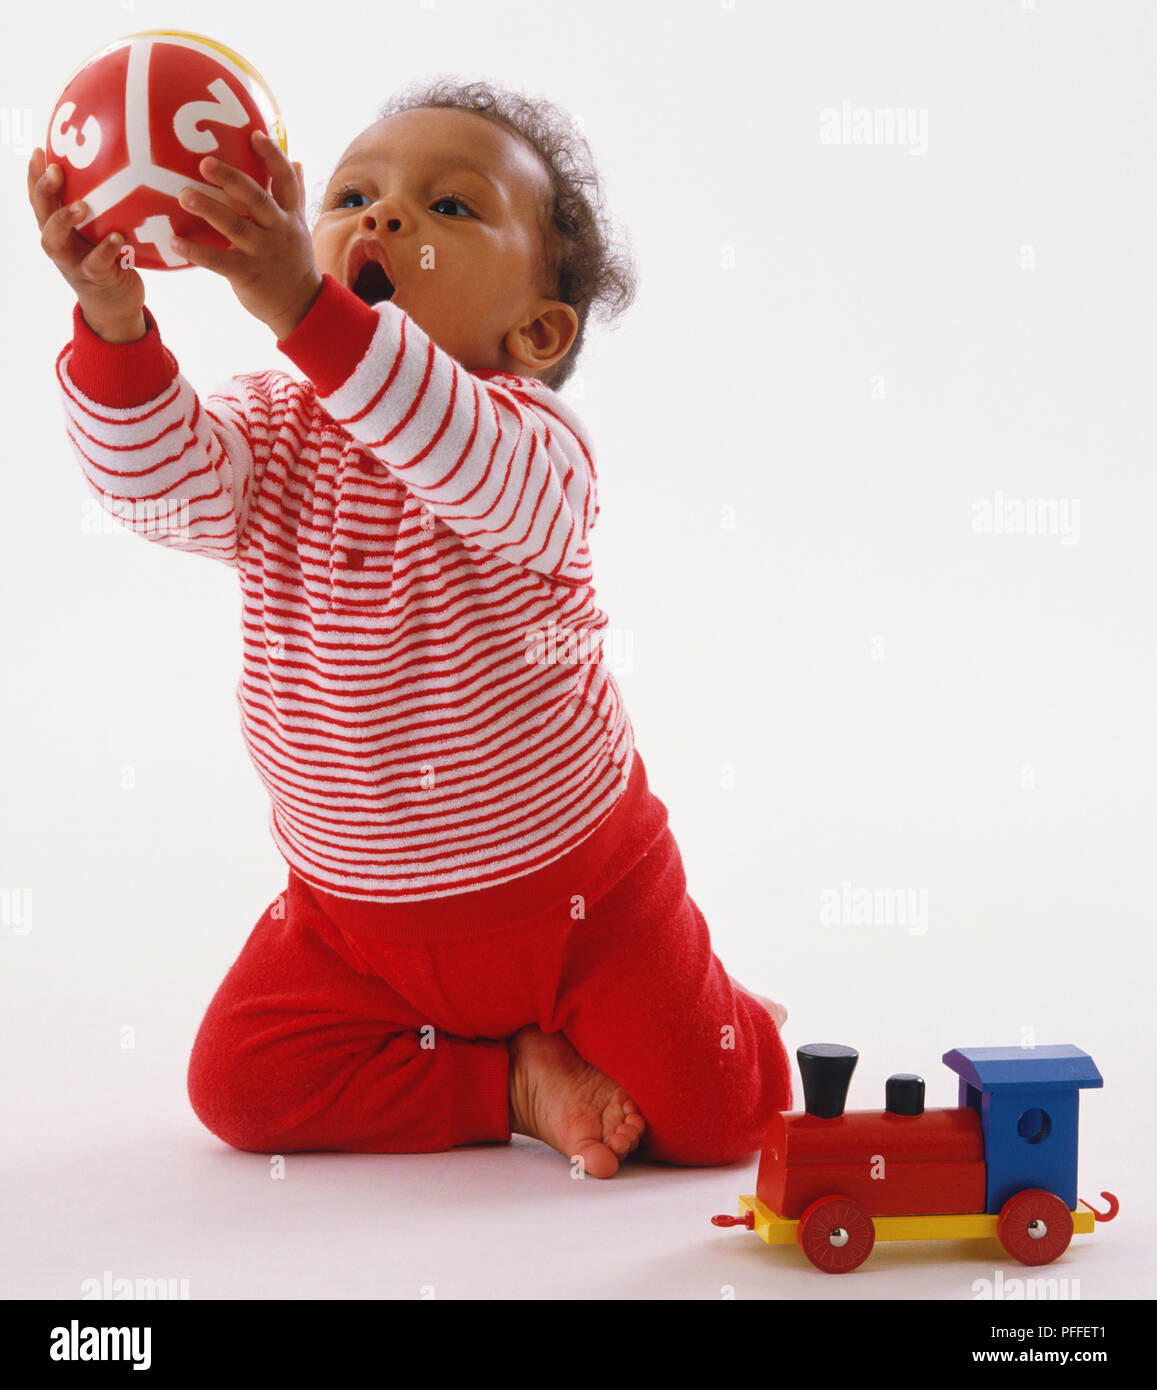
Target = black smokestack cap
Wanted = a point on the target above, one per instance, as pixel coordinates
(904, 1094)
(826, 1069)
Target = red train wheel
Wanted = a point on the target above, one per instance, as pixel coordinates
(1035, 1227)
(836, 1234)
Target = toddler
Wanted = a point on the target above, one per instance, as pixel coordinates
(486, 928)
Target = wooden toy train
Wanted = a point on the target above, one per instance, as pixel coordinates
(1002, 1163)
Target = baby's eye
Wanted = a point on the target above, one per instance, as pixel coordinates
(453, 198)
(340, 197)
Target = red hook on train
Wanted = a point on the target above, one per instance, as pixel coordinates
(1114, 1208)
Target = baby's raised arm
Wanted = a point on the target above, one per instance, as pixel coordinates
(170, 468)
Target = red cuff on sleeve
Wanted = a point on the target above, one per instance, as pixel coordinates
(120, 374)
(333, 337)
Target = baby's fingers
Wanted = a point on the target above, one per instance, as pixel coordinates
(56, 235)
(35, 172)
(71, 251)
(100, 267)
(44, 187)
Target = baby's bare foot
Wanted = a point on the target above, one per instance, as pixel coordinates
(559, 1098)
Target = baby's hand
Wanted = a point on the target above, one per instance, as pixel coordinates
(111, 295)
(777, 1011)
(270, 265)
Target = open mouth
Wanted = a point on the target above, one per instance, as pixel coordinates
(372, 284)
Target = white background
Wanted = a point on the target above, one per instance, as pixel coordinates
(838, 348)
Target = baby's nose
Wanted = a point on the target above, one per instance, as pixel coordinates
(386, 213)
(371, 223)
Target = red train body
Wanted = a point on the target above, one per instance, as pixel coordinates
(892, 1165)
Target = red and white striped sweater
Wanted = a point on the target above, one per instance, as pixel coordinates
(424, 693)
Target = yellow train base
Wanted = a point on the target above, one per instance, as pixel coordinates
(780, 1230)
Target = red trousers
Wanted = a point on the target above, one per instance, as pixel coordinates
(366, 1027)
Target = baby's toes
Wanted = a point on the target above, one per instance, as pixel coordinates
(627, 1134)
(619, 1143)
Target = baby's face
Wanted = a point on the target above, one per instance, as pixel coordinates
(449, 201)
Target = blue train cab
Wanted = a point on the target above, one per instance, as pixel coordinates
(1026, 1098)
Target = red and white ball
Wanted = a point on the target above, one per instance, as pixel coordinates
(132, 126)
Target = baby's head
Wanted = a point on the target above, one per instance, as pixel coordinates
(487, 213)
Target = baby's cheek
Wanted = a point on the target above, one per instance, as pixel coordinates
(323, 253)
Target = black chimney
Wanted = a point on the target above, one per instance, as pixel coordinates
(826, 1069)
(904, 1094)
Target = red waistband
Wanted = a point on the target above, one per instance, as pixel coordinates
(590, 869)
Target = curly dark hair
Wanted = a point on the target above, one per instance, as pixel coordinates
(587, 262)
